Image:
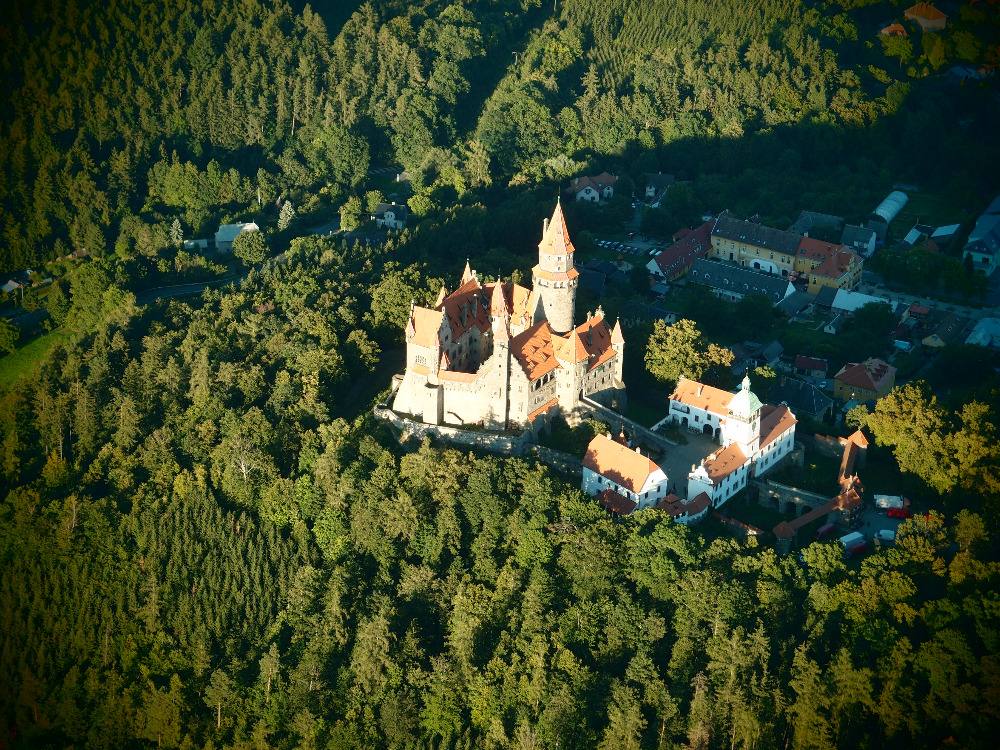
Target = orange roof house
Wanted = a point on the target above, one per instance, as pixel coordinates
(927, 16)
(624, 466)
(864, 381)
(893, 29)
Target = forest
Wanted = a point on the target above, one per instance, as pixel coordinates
(206, 538)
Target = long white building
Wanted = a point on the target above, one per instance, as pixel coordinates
(753, 436)
(635, 478)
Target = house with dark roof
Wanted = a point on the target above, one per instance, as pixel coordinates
(677, 259)
(795, 303)
(859, 239)
(864, 381)
(813, 367)
(825, 297)
(657, 184)
(983, 246)
(755, 246)
(391, 215)
(816, 224)
(948, 330)
(801, 397)
(734, 283)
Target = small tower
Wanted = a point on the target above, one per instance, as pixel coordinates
(500, 325)
(618, 344)
(742, 424)
(555, 277)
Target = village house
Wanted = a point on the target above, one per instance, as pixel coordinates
(733, 283)
(812, 367)
(985, 333)
(947, 331)
(754, 436)
(621, 477)
(826, 264)
(228, 233)
(983, 246)
(754, 246)
(657, 184)
(859, 239)
(500, 356)
(391, 215)
(864, 381)
(926, 16)
(593, 189)
(804, 399)
(819, 225)
(893, 29)
(847, 302)
(676, 260)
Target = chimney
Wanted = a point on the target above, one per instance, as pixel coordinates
(700, 388)
(637, 450)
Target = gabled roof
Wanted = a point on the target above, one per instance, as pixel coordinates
(614, 502)
(775, 421)
(598, 182)
(802, 397)
(229, 232)
(809, 220)
(622, 465)
(399, 210)
(924, 10)
(802, 362)
(700, 396)
(871, 374)
(659, 180)
(722, 463)
(677, 258)
(424, 326)
(853, 234)
(730, 228)
(853, 301)
(745, 281)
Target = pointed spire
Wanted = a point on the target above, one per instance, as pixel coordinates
(555, 234)
(441, 295)
(498, 303)
(467, 275)
(616, 333)
(746, 383)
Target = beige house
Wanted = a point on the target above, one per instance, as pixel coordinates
(754, 246)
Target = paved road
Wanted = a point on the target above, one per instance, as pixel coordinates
(968, 312)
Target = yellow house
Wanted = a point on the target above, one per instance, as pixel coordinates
(754, 245)
(827, 264)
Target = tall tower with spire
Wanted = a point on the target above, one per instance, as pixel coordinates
(555, 278)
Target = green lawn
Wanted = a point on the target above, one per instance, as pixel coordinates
(26, 360)
(935, 209)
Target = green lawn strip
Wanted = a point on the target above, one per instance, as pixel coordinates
(25, 361)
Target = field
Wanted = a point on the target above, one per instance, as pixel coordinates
(24, 361)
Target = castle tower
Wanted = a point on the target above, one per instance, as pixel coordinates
(500, 392)
(555, 278)
(742, 424)
(618, 344)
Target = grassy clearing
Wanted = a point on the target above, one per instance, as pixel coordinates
(935, 209)
(25, 361)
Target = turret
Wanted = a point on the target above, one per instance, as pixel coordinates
(555, 277)
(742, 424)
(618, 344)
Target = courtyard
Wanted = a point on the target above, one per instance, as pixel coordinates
(676, 461)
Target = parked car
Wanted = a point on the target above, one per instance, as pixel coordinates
(899, 513)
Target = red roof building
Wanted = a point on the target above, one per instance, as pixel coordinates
(927, 16)
(864, 381)
(677, 259)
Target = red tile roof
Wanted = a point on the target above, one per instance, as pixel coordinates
(802, 362)
(615, 503)
(693, 393)
(924, 10)
(534, 351)
(871, 374)
(721, 464)
(678, 258)
(775, 421)
(622, 465)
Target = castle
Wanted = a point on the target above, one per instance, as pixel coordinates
(754, 436)
(501, 356)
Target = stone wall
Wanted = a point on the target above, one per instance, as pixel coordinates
(506, 443)
(599, 411)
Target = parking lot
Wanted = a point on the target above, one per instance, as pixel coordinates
(639, 248)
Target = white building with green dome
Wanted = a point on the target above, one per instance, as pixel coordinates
(753, 436)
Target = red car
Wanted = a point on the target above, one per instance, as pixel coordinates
(899, 513)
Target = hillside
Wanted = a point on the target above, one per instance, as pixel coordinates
(208, 540)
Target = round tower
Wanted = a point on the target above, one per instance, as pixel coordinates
(555, 277)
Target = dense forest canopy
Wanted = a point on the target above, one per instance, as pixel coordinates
(206, 538)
